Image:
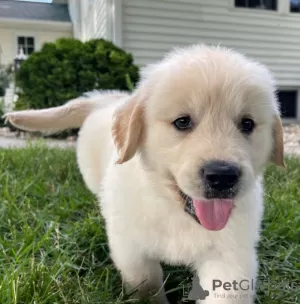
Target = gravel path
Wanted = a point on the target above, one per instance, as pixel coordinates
(292, 139)
(9, 142)
(8, 139)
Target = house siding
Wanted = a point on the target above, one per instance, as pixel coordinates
(150, 28)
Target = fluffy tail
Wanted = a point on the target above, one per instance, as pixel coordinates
(70, 115)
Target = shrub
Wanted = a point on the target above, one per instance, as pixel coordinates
(1, 113)
(68, 68)
(5, 78)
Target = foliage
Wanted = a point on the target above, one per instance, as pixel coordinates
(67, 68)
(5, 77)
(1, 112)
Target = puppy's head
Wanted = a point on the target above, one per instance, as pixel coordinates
(206, 119)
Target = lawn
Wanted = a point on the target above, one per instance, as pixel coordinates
(53, 245)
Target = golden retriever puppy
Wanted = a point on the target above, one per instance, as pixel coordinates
(177, 166)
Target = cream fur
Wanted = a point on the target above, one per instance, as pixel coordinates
(144, 215)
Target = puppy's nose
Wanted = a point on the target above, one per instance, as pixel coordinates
(220, 175)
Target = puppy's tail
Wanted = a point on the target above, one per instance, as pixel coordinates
(70, 115)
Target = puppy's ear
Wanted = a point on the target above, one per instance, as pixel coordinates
(278, 148)
(128, 127)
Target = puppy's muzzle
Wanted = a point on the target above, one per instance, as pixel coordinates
(220, 179)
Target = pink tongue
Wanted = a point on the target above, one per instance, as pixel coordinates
(213, 214)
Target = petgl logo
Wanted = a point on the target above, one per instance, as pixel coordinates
(234, 285)
(197, 292)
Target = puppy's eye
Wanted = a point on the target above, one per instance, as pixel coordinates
(247, 125)
(183, 123)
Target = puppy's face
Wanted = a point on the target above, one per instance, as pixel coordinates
(210, 125)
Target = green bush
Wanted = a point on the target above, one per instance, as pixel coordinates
(1, 113)
(5, 78)
(67, 68)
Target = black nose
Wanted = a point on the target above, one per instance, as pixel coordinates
(220, 175)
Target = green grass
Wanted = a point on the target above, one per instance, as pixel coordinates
(53, 245)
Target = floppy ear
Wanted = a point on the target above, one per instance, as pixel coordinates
(278, 148)
(127, 128)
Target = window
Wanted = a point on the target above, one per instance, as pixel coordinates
(288, 103)
(295, 6)
(260, 4)
(27, 44)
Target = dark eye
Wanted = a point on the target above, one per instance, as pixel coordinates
(183, 123)
(247, 125)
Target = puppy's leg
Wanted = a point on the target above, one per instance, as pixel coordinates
(141, 275)
(229, 279)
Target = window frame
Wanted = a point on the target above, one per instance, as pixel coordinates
(283, 8)
(292, 89)
(256, 9)
(290, 8)
(26, 45)
(257, 12)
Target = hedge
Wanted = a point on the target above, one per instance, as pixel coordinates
(66, 69)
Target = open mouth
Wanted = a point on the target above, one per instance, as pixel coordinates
(213, 214)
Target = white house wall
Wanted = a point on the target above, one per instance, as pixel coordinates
(75, 15)
(150, 28)
(42, 32)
